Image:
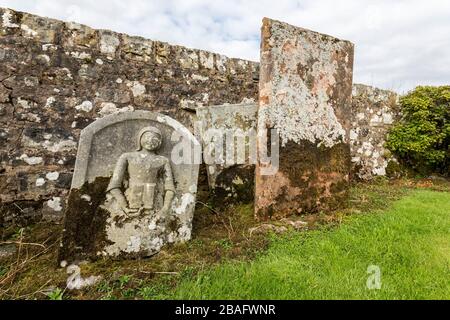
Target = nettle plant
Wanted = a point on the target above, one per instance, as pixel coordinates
(421, 140)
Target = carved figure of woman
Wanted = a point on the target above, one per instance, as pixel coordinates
(144, 169)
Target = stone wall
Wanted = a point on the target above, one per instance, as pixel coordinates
(373, 113)
(57, 77)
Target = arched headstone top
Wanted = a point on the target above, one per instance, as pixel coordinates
(127, 120)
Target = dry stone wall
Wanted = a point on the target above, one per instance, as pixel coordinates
(57, 77)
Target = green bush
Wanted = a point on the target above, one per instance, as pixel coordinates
(421, 140)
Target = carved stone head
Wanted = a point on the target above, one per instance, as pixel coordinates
(149, 138)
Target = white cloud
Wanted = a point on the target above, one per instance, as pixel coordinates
(399, 44)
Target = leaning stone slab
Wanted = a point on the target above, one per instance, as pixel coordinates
(228, 136)
(133, 189)
(305, 97)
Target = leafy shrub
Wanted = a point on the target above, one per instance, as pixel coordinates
(421, 140)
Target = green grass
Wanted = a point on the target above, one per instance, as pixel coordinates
(409, 242)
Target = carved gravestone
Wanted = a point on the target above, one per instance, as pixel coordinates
(133, 189)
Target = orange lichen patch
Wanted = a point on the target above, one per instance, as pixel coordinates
(305, 88)
(288, 47)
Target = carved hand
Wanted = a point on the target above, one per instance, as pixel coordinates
(120, 198)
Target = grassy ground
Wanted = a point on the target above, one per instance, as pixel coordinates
(408, 239)
(410, 243)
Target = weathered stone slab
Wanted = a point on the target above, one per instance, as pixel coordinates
(374, 112)
(228, 136)
(133, 189)
(305, 95)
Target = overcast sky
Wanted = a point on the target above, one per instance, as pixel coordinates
(398, 43)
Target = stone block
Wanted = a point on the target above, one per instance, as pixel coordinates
(228, 136)
(305, 98)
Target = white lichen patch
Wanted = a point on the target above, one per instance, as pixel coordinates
(297, 101)
(199, 77)
(206, 60)
(141, 235)
(152, 225)
(134, 244)
(31, 160)
(380, 171)
(44, 58)
(55, 204)
(107, 108)
(193, 188)
(28, 31)
(221, 63)
(50, 101)
(52, 176)
(137, 88)
(86, 197)
(80, 55)
(6, 18)
(388, 118)
(188, 104)
(108, 43)
(205, 98)
(67, 71)
(184, 233)
(49, 47)
(85, 106)
(353, 134)
(40, 182)
(181, 207)
(59, 146)
(31, 81)
(24, 103)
